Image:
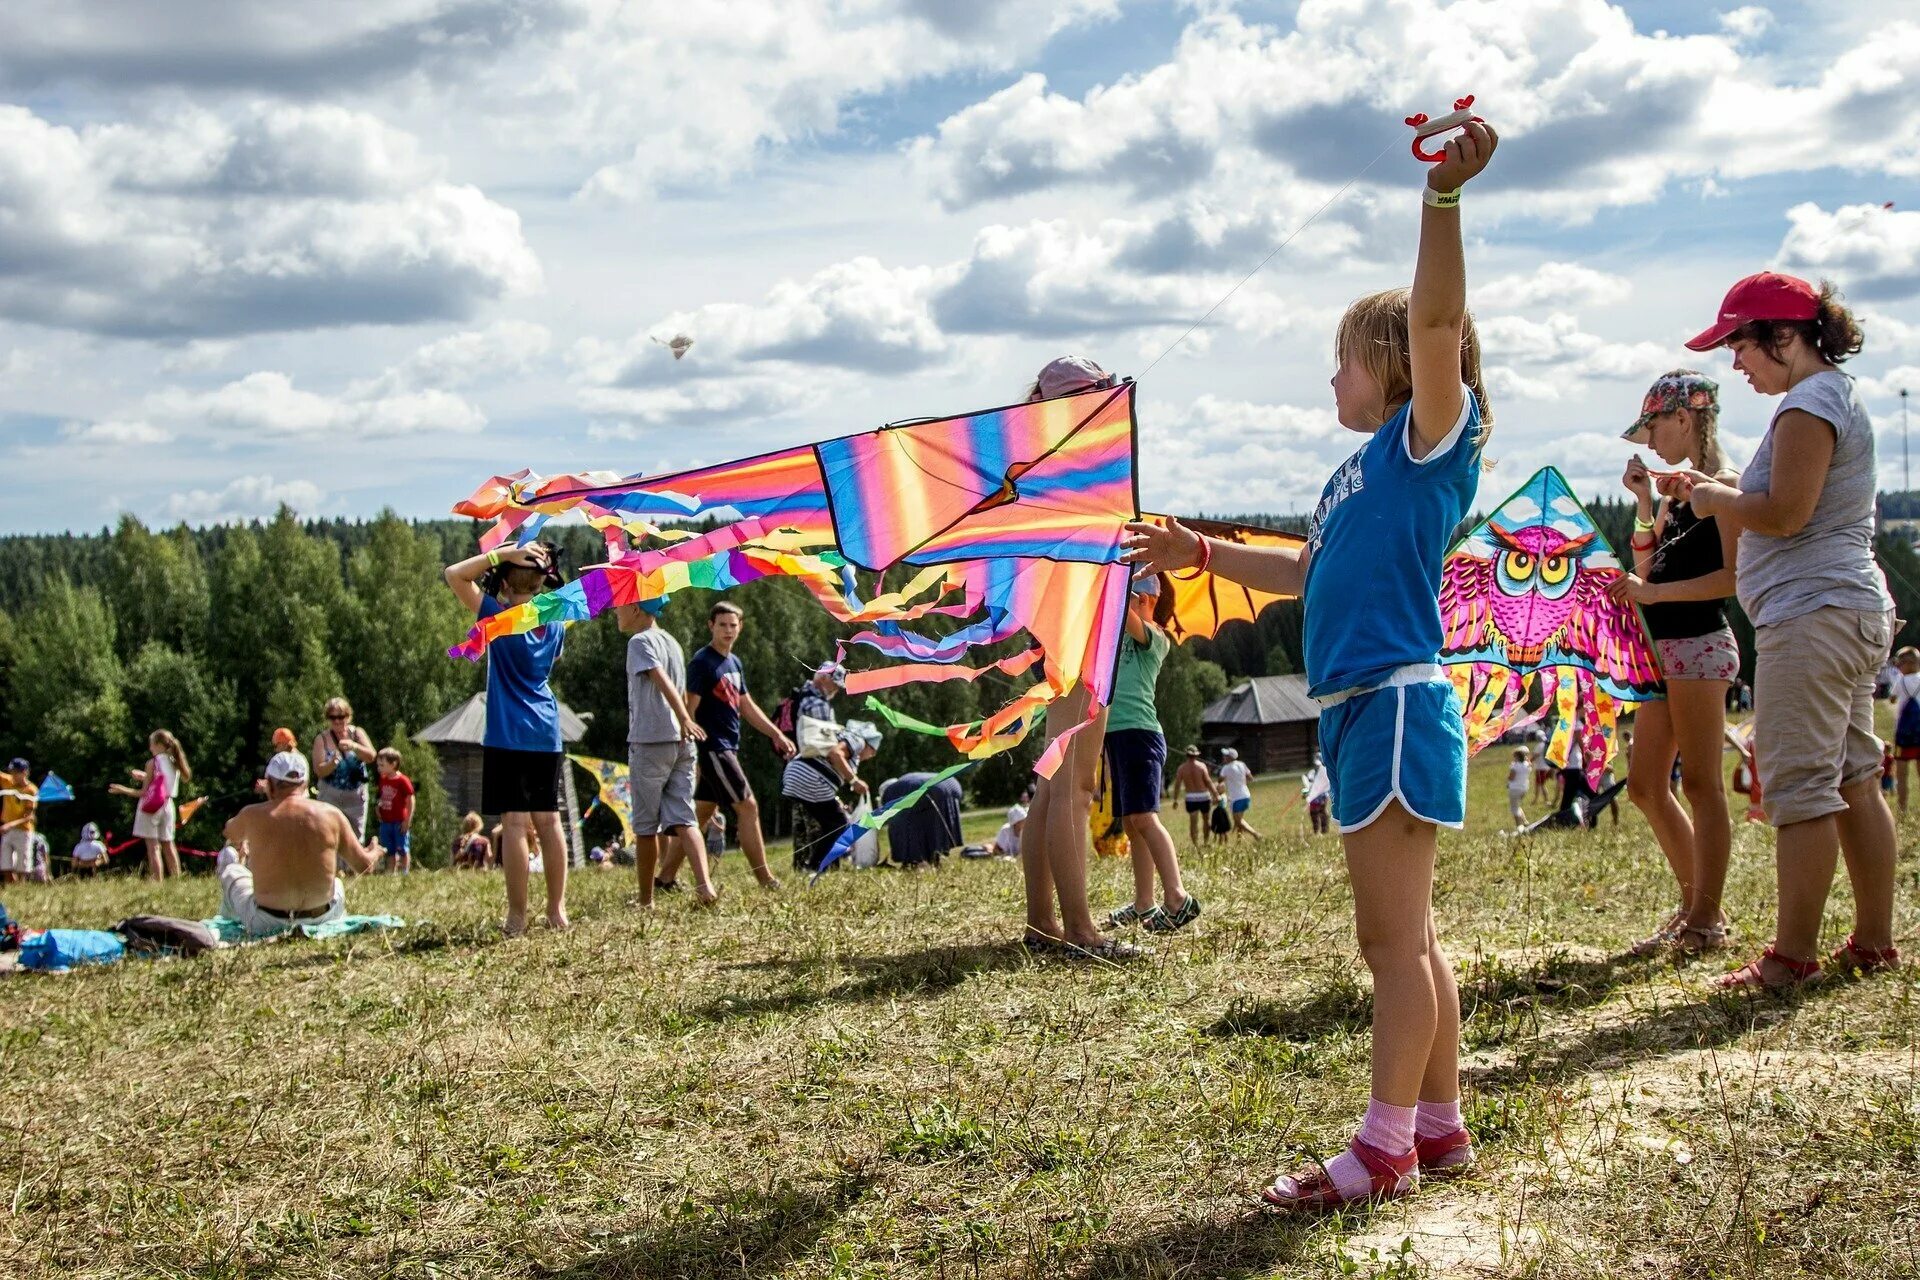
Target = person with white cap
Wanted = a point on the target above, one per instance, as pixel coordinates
(1136, 751)
(280, 868)
(1822, 617)
(812, 786)
(1053, 848)
(89, 855)
(1237, 781)
(1682, 572)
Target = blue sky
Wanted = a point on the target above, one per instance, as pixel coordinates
(368, 255)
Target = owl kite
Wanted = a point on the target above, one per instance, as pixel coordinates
(1530, 632)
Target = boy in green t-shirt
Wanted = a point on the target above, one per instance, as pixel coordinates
(1136, 760)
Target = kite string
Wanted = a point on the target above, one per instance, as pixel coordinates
(1225, 297)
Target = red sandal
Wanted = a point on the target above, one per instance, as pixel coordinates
(1448, 1156)
(1389, 1178)
(1750, 976)
(1856, 959)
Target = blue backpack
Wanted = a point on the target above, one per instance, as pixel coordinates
(1906, 729)
(61, 949)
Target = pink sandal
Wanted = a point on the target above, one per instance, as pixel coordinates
(1855, 959)
(1389, 1178)
(1750, 977)
(1448, 1156)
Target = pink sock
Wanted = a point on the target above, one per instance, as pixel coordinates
(1387, 1127)
(1437, 1119)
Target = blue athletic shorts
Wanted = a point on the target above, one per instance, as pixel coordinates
(1241, 805)
(1136, 759)
(395, 839)
(1405, 743)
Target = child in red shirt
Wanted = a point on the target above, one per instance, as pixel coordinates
(395, 810)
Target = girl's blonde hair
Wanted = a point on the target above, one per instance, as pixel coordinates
(161, 740)
(470, 824)
(1374, 333)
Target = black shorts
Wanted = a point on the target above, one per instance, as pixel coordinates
(1136, 758)
(722, 780)
(519, 781)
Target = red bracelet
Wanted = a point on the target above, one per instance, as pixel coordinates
(1206, 558)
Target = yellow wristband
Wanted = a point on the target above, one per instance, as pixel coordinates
(1441, 199)
(493, 559)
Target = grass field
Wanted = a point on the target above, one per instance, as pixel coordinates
(868, 1079)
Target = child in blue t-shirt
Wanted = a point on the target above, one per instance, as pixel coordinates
(1390, 727)
(521, 755)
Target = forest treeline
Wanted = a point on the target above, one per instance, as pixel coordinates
(224, 633)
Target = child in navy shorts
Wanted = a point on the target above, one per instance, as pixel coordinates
(1390, 726)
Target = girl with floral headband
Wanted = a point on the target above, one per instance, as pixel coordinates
(1683, 571)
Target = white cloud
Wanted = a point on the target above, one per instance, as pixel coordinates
(267, 403)
(289, 218)
(1592, 112)
(1871, 251)
(1747, 22)
(1561, 358)
(116, 431)
(246, 498)
(1560, 284)
(502, 349)
(1229, 456)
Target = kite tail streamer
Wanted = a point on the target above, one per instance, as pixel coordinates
(881, 817)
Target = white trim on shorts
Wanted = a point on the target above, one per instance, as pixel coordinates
(1393, 789)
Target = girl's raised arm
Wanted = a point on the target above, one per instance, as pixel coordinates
(1437, 308)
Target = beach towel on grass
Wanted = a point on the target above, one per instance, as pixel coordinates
(232, 932)
(57, 950)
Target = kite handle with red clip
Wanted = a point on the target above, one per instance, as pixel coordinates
(1424, 128)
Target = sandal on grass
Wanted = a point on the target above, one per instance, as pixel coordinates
(1161, 920)
(1660, 939)
(1312, 1191)
(1448, 1156)
(1692, 940)
(1854, 959)
(1751, 976)
(1111, 950)
(1121, 917)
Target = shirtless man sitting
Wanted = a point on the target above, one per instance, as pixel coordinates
(280, 866)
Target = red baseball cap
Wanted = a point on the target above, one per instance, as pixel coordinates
(1766, 295)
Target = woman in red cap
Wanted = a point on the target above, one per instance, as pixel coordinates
(1822, 618)
(1683, 571)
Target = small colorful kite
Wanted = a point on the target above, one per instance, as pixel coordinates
(1530, 632)
(54, 789)
(613, 788)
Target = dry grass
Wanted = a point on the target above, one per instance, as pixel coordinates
(866, 1079)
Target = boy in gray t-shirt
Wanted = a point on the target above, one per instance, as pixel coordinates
(660, 758)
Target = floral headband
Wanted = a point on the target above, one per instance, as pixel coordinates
(1675, 391)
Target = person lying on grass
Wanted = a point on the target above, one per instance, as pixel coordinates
(281, 864)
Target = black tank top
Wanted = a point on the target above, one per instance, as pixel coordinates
(1689, 548)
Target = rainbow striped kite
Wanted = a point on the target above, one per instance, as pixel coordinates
(1013, 517)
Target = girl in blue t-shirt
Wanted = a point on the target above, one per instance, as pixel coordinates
(1390, 727)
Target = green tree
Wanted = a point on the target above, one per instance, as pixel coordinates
(65, 694)
(390, 642)
(157, 586)
(300, 688)
(1187, 684)
(165, 688)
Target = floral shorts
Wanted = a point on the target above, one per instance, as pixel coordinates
(1714, 656)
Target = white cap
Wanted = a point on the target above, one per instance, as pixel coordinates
(288, 766)
(1229, 754)
(1016, 814)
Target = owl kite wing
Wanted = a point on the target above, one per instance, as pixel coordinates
(1466, 607)
(1609, 634)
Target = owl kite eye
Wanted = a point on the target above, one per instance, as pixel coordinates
(1554, 570)
(1519, 564)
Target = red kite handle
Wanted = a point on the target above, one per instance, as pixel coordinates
(1424, 128)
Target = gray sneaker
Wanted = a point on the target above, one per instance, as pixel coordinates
(1160, 920)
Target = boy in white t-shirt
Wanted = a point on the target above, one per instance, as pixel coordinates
(1518, 780)
(89, 855)
(1236, 779)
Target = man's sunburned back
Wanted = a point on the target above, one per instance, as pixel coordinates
(1193, 776)
(291, 845)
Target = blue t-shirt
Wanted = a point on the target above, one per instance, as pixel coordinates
(522, 714)
(721, 683)
(1378, 539)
